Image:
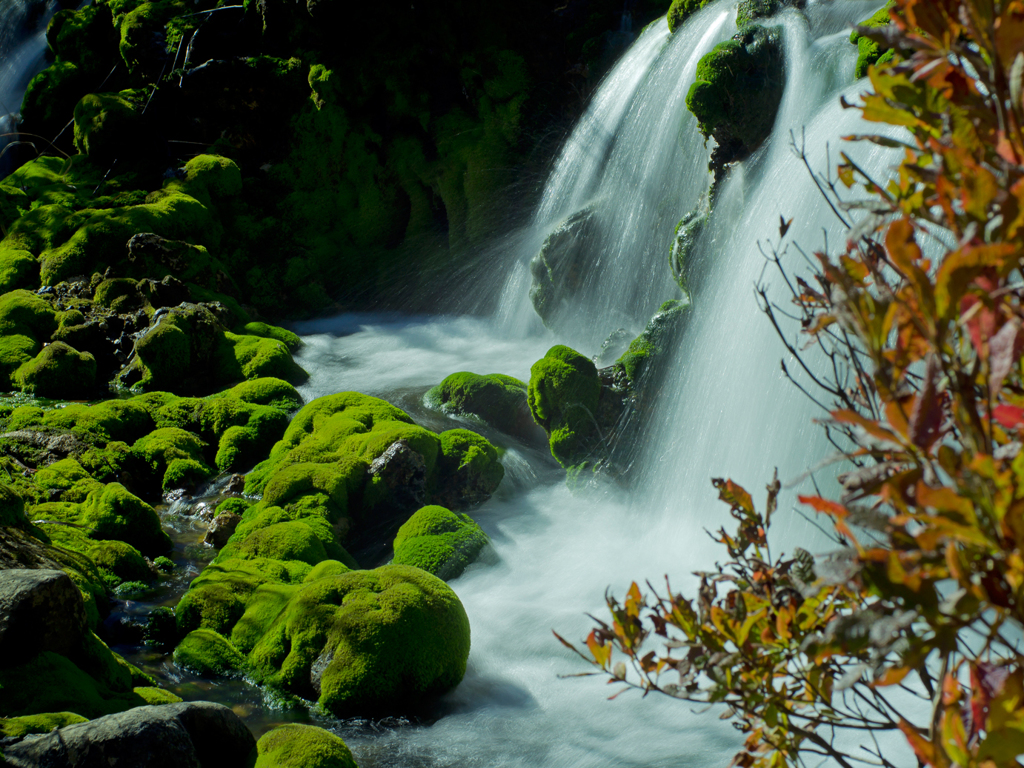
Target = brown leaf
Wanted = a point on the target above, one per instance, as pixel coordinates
(1003, 349)
(926, 417)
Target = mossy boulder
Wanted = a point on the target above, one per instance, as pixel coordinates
(367, 642)
(208, 653)
(110, 512)
(26, 321)
(439, 541)
(681, 10)
(188, 349)
(175, 456)
(684, 241)
(871, 51)
(563, 396)
(59, 371)
(737, 92)
(495, 399)
(302, 746)
(12, 507)
(108, 126)
(749, 11)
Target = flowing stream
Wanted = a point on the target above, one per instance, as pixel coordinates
(637, 161)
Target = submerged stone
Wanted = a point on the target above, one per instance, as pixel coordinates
(560, 268)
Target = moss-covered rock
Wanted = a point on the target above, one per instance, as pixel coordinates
(681, 10)
(19, 727)
(59, 371)
(496, 399)
(302, 746)
(208, 653)
(563, 396)
(737, 92)
(871, 51)
(26, 321)
(683, 242)
(439, 541)
(749, 11)
(654, 342)
(108, 126)
(175, 456)
(367, 642)
(188, 349)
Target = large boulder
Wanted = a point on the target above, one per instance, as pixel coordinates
(40, 610)
(361, 643)
(185, 735)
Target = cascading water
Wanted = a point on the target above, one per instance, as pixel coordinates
(637, 160)
(22, 56)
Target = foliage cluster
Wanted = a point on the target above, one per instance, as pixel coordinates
(913, 624)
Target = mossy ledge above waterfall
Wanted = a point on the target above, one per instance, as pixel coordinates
(357, 166)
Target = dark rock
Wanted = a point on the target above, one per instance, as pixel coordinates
(185, 735)
(40, 610)
(404, 473)
(236, 484)
(560, 267)
(221, 528)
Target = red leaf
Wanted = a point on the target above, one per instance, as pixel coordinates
(1010, 416)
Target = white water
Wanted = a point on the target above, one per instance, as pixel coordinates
(724, 410)
(22, 56)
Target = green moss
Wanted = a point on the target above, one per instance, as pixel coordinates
(151, 695)
(367, 642)
(175, 456)
(84, 37)
(96, 682)
(439, 541)
(681, 10)
(26, 321)
(121, 559)
(749, 11)
(50, 98)
(289, 339)
(496, 399)
(563, 397)
(655, 340)
(59, 371)
(119, 294)
(293, 540)
(139, 27)
(868, 51)
(19, 727)
(18, 267)
(265, 357)
(12, 507)
(216, 598)
(108, 126)
(469, 468)
(737, 91)
(208, 653)
(326, 568)
(302, 746)
(111, 512)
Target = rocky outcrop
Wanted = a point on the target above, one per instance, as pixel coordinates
(185, 735)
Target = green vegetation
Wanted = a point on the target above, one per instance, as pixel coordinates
(563, 397)
(439, 541)
(871, 51)
(302, 746)
(737, 92)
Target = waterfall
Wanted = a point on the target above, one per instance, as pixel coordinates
(23, 54)
(636, 163)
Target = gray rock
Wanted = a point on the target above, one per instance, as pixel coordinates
(40, 610)
(221, 528)
(198, 734)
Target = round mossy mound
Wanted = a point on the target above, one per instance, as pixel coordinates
(439, 541)
(495, 399)
(302, 746)
(367, 642)
(208, 653)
